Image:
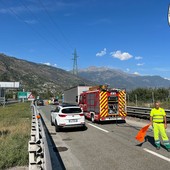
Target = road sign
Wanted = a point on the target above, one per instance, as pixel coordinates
(25, 95)
(9, 84)
(31, 97)
(22, 95)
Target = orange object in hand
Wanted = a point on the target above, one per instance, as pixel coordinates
(142, 132)
(38, 116)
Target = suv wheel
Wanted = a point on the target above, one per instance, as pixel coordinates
(52, 124)
(56, 127)
(92, 118)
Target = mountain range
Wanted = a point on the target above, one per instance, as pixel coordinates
(44, 78)
(37, 77)
(120, 79)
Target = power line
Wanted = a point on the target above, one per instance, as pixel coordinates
(43, 26)
(55, 24)
(37, 32)
(22, 20)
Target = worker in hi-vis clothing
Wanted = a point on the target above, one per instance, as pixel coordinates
(159, 124)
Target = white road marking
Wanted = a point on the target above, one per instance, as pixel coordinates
(156, 154)
(98, 128)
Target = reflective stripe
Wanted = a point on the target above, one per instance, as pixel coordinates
(157, 141)
(158, 120)
(158, 117)
(166, 142)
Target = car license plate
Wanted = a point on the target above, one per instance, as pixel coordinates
(72, 120)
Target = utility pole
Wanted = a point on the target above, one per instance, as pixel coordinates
(136, 99)
(153, 98)
(75, 70)
(127, 99)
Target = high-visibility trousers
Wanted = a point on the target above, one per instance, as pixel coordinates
(159, 129)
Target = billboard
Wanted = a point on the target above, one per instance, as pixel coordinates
(9, 84)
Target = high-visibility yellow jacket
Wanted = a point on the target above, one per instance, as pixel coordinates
(158, 115)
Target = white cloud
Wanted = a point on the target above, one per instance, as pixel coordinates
(49, 64)
(136, 73)
(121, 56)
(127, 69)
(140, 64)
(166, 78)
(102, 53)
(138, 58)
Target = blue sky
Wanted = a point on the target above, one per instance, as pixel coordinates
(130, 35)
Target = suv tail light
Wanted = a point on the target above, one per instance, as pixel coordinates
(81, 114)
(61, 115)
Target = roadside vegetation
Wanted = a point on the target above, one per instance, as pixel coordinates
(15, 128)
(145, 97)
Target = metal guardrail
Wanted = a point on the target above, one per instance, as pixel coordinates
(38, 147)
(2, 101)
(39, 156)
(142, 112)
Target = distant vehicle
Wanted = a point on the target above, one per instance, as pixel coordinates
(40, 102)
(67, 116)
(55, 102)
(72, 95)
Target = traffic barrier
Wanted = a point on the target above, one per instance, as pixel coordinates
(143, 112)
(2, 101)
(39, 158)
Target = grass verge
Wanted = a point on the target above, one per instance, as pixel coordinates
(15, 128)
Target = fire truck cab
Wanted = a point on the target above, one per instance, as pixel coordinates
(103, 104)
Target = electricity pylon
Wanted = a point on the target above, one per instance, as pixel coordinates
(75, 70)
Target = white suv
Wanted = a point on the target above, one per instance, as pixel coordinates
(65, 116)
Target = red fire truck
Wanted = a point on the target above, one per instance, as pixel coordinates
(100, 103)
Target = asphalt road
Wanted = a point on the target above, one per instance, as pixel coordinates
(107, 146)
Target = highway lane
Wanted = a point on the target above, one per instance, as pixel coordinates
(107, 146)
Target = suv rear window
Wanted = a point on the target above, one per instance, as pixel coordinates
(72, 110)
